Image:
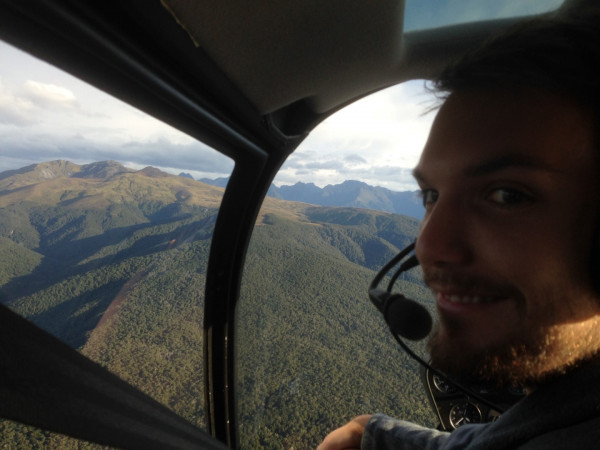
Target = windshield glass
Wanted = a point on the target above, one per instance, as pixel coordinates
(105, 231)
(425, 14)
(312, 352)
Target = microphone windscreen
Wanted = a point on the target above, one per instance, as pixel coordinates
(408, 318)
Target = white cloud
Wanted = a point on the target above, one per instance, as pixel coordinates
(14, 110)
(377, 140)
(161, 153)
(50, 95)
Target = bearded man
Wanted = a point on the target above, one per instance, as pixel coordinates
(509, 244)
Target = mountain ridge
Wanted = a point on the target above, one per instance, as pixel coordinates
(350, 193)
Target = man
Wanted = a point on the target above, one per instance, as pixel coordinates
(510, 242)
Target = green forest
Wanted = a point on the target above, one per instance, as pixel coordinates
(113, 263)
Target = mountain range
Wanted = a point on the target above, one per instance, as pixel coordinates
(112, 261)
(349, 193)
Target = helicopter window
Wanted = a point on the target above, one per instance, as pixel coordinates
(420, 15)
(103, 244)
(311, 349)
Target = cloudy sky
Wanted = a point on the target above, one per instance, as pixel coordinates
(390, 127)
(46, 114)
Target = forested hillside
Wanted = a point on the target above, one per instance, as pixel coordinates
(112, 261)
(313, 351)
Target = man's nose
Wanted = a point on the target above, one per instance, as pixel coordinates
(443, 238)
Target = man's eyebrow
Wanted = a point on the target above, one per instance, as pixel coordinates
(417, 175)
(509, 161)
(495, 165)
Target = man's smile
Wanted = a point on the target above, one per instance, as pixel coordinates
(458, 298)
(449, 301)
(468, 290)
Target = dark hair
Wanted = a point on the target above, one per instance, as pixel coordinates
(558, 53)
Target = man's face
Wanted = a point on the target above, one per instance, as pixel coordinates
(510, 186)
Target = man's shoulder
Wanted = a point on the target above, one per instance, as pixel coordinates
(583, 435)
(563, 414)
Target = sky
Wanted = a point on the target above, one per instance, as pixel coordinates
(46, 114)
(377, 140)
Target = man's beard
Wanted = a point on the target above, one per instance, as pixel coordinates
(532, 358)
(547, 342)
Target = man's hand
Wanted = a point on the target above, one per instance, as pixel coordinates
(346, 437)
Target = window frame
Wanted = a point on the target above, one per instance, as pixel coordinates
(72, 394)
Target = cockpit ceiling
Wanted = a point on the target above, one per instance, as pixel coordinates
(281, 52)
(321, 53)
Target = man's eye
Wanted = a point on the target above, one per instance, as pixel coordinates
(429, 197)
(504, 196)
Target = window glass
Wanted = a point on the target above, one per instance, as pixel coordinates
(105, 230)
(18, 436)
(312, 351)
(425, 14)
